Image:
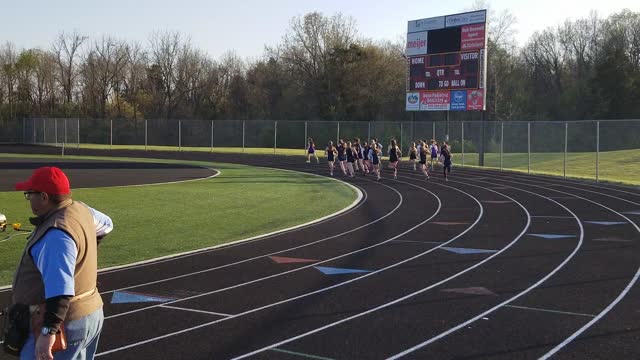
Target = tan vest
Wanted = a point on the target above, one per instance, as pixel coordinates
(75, 219)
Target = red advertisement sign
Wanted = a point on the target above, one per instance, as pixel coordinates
(472, 37)
(475, 99)
(435, 100)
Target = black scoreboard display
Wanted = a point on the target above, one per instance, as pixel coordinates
(446, 62)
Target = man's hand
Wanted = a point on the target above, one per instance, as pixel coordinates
(43, 347)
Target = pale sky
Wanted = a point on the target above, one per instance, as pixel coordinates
(246, 26)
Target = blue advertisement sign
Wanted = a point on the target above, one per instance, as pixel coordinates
(458, 100)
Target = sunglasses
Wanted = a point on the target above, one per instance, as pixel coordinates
(28, 194)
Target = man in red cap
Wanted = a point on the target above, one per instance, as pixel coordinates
(58, 270)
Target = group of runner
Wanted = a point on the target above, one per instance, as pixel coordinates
(366, 156)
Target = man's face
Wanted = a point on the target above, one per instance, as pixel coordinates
(39, 202)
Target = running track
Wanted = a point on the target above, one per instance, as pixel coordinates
(526, 297)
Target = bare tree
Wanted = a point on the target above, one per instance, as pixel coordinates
(8, 58)
(111, 58)
(134, 74)
(165, 50)
(46, 82)
(66, 50)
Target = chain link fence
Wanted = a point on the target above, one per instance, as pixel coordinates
(599, 150)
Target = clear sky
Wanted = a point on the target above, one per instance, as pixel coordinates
(245, 26)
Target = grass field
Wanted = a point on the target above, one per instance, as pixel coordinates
(615, 166)
(156, 220)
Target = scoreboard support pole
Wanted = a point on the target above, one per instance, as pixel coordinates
(481, 152)
(597, 151)
(400, 145)
(413, 127)
(433, 132)
(446, 134)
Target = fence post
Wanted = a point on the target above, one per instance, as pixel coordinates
(434, 131)
(243, 135)
(78, 124)
(597, 151)
(369, 132)
(44, 131)
(145, 134)
(305, 138)
(400, 146)
(24, 130)
(55, 129)
(338, 133)
(462, 144)
(501, 142)
(529, 147)
(211, 135)
(65, 132)
(566, 137)
(111, 134)
(275, 136)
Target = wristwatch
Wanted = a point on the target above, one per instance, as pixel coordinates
(45, 331)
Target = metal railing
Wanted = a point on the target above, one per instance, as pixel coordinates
(569, 149)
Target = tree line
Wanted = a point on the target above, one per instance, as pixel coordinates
(322, 70)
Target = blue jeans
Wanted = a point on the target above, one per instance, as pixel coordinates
(82, 339)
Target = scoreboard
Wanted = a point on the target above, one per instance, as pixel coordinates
(446, 63)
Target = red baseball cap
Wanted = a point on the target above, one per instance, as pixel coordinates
(47, 179)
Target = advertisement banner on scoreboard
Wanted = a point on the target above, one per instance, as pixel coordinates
(472, 37)
(466, 18)
(416, 43)
(413, 101)
(458, 100)
(475, 99)
(434, 100)
(425, 24)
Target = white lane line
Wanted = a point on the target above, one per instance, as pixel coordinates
(329, 287)
(484, 314)
(308, 356)
(289, 271)
(14, 235)
(548, 310)
(596, 319)
(613, 240)
(624, 292)
(194, 310)
(380, 307)
(552, 217)
(419, 242)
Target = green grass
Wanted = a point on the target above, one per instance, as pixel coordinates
(615, 166)
(221, 150)
(158, 220)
